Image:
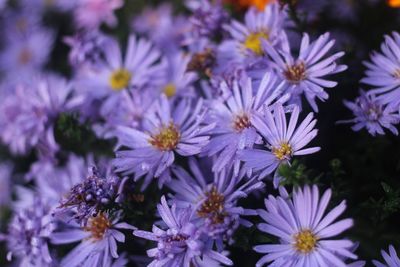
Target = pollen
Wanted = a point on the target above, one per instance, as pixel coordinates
(241, 122)
(167, 139)
(282, 152)
(254, 42)
(296, 73)
(120, 79)
(170, 90)
(98, 225)
(305, 241)
(213, 206)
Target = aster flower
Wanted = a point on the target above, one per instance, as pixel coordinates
(90, 14)
(306, 74)
(27, 116)
(53, 181)
(115, 74)
(126, 110)
(214, 200)
(304, 231)
(391, 259)
(207, 17)
(245, 45)
(86, 48)
(98, 240)
(23, 57)
(91, 196)
(166, 130)
(371, 114)
(180, 244)
(179, 80)
(283, 141)
(384, 71)
(162, 27)
(234, 130)
(28, 234)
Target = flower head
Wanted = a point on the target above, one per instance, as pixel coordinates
(303, 230)
(90, 14)
(98, 240)
(28, 115)
(167, 129)
(179, 241)
(283, 141)
(114, 74)
(28, 234)
(91, 196)
(372, 114)
(305, 74)
(383, 71)
(234, 130)
(245, 45)
(391, 259)
(215, 200)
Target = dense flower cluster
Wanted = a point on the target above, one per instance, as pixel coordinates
(206, 105)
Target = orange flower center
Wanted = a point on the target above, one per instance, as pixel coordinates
(296, 73)
(213, 206)
(98, 225)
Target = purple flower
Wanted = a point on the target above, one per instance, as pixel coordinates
(391, 259)
(115, 74)
(180, 244)
(306, 73)
(126, 110)
(245, 45)
(304, 231)
(91, 196)
(179, 81)
(164, 29)
(98, 240)
(53, 181)
(90, 14)
(24, 56)
(217, 213)
(28, 233)
(283, 141)
(234, 130)
(207, 18)
(372, 114)
(27, 116)
(166, 130)
(384, 71)
(86, 48)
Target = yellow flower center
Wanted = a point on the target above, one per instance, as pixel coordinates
(282, 152)
(170, 90)
(120, 79)
(296, 73)
(254, 42)
(167, 139)
(213, 207)
(306, 241)
(98, 225)
(241, 122)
